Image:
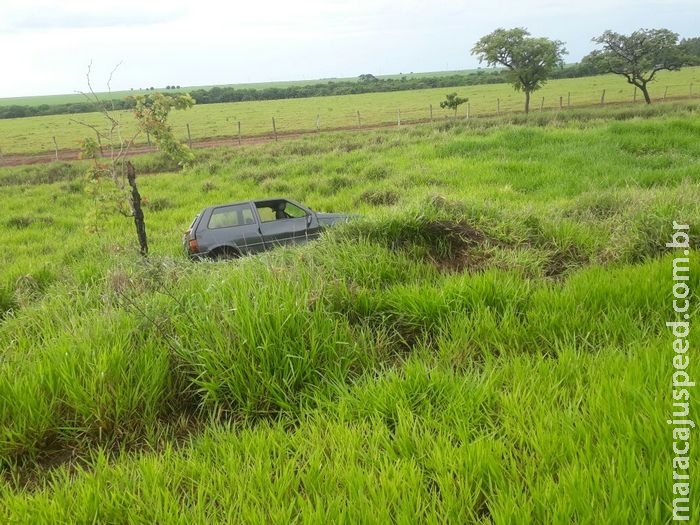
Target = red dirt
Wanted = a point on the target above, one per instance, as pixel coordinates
(140, 149)
(74, 154)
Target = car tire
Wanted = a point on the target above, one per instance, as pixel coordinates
(224, 254)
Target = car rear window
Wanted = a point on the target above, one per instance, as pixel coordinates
(230, 216)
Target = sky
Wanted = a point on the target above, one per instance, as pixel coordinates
(51, 47)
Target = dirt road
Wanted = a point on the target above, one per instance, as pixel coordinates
(74, 154)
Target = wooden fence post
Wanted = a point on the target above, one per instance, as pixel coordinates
(55, 144)
(634, 98)
(239, 132)
(398, 117)
(138, 211)
(318, 123)
(665, 92)
(431, 112)
(542, 105)
(602, 98)
(359, 122)
(568, 100)
(189, 136)
(274, 128)
(561, 102)
(498, 106)
(468, 109)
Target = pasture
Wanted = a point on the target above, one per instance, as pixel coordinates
(488, 344)
(37, 134)
(79, 94)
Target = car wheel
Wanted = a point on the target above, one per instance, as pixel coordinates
(225, 254)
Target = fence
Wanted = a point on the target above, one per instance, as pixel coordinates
(370, 111)
(236, 123)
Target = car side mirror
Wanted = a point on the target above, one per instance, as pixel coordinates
(308, 220)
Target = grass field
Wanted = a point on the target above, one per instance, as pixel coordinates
(487, 345)
(36, 134)
(79, 96)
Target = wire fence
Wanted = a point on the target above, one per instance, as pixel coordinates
(365, 115)
(240, 122)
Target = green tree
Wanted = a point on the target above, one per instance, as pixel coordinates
(368, 77)
(528, 60)
(111, 179)
(637, 57)
(691, 48)
(453, 102)
(151, 112)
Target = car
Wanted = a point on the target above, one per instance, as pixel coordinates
(228, 231)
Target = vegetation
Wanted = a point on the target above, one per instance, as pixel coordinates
(225, 94)
(18, 107)
(529, 61)
(639, 56)
(36, 134)
(487, 345)
(690, 47)
(365, 83)
(452, 101)
(151, 115)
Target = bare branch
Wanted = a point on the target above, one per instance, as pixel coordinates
(109, 82)
(89, 82)
(100, 134)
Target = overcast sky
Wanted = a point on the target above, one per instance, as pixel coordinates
(47, 45)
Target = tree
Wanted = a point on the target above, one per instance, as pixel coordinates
(637, 57)
(368, 77)
(691, 48)
(528, 60)
(108, 178)
(453, 102)
(151, 112)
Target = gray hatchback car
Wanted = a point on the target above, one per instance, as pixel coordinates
(241, 228)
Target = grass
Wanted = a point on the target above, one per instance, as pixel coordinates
(80, 97)
(36, 134)
(487, 345)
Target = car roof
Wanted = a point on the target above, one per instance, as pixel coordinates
(252, 201)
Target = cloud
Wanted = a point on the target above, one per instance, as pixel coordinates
(161, 42)
(39, 15)
(67, 20)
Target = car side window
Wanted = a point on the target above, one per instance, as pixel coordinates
(248, 217)
(279, 210)
(266, 212)
(230, 216)
(293, 211)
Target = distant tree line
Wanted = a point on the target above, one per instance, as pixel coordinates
(691, 48)
(16, 111)
(365, 83)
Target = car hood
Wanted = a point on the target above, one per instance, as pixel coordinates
(326, 219)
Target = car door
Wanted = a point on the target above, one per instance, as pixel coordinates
(233, 225)
(283, 222)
